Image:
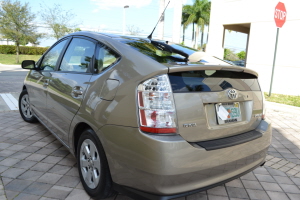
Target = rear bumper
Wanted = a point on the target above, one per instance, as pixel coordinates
(137, 194)
(168, 165)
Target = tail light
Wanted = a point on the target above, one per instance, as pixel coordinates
(156, 106)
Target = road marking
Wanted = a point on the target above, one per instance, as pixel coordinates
(11, 102)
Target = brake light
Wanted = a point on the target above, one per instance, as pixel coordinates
(156, 106)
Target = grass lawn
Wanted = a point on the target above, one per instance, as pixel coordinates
(10, 59)
(284, 99)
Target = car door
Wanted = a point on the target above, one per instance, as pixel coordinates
(39, 79)
(68, 84)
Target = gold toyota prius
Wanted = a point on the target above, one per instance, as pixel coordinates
(147, 118)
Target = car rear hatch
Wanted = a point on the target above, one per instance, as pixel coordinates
(215, 102)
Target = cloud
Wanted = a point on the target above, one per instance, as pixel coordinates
(107, 4)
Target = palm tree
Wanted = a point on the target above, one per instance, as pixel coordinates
(207, 8)
(186, 11)
(199, 14)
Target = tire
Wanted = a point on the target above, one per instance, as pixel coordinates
(25, 108)
(91, 158)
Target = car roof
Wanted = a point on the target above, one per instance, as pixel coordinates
(110, 35)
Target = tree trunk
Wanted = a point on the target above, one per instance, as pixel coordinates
(207, 34)
(18, 50)
(202, 34)
(183, 35)
(196, 38)
(193, 33)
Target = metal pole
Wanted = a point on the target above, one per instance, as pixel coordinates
(274, 62)
(124, 20)
(160, 27)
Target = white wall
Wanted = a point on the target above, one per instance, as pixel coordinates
(262, 39)
(4, 42)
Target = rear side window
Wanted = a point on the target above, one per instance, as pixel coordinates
(212, 81)
(105, 57)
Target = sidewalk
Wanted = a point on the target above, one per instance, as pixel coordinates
(11, 67)
(34, 165)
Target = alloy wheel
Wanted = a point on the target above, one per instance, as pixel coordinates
(90, 163)
(25, 106)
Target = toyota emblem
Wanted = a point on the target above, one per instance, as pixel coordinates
(232, 94)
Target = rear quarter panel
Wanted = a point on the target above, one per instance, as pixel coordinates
(131, 70)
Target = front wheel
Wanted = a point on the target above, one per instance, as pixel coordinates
(92, 166)
(25, 108)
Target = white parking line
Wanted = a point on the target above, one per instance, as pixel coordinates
(11, 102)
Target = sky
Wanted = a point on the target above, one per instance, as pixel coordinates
(236, 41)
(107, 15)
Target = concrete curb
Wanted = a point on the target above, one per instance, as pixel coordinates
(279, 106)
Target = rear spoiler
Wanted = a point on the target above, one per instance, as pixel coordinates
(180, 67)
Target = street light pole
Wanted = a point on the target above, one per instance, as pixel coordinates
(124, 18)
(160, 26)
(177, 21)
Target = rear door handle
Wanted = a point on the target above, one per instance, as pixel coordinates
(77, 92)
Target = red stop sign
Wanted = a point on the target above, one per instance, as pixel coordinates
(280, 14)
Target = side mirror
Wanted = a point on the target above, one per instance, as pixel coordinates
(28, 64)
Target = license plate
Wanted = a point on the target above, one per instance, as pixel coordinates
(233, 112)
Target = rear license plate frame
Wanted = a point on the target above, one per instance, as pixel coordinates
(234, 111)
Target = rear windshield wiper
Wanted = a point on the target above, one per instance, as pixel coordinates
(165, 47)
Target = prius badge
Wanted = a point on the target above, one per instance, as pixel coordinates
(232, 94)
(189, 125)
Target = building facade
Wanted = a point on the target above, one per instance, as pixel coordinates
(256, 18)
(5, 41)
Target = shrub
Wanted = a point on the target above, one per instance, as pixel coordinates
(241, 55)
(11, 49)
(7, 49)
(229, 55)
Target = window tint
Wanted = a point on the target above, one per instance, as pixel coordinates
(152, 51)
(78, 56)
(50, 59)
(185, 49)
(211, 81)
(168, 52)
(105, 58)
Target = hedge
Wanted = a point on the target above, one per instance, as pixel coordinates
(11, 49)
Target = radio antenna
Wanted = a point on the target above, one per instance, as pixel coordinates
(150, 36)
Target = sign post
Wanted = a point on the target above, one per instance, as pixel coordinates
(280, 18)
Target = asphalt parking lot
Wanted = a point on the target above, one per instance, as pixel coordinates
(34, 165)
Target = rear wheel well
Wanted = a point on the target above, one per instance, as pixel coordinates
(77, 133)
(24, 88)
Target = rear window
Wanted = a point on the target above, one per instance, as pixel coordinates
(150, 50)
(212, 81)
(168, 52)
